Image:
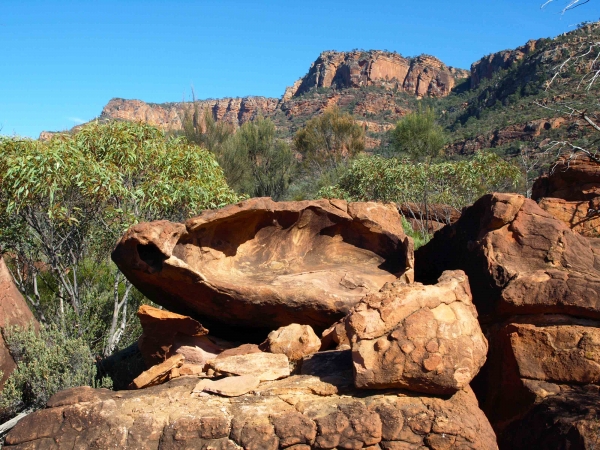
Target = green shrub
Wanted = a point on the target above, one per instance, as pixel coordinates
(47, 362)
(419, 238)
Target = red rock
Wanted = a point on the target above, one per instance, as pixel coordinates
(575, 214)
(168, 417)
(416, 337)
(243, 349)
(294, 341)
(573, 180)
(519, 259)
(262, 263)
(13, 312)
(159, 373)
(164, 333)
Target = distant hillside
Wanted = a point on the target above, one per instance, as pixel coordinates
(491, 106)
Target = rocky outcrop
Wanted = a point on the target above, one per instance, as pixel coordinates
(519, 260)
(487, 66)
(169, 116)
(13, 312)
(262, 263)
(421, 76)
(531, 131)
(536, 284)
(416, 337)
(300, 413)
(571, 193)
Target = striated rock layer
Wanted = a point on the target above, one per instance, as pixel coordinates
(268, 264)
(300, 413)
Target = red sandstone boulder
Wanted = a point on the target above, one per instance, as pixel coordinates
(519, 260)
(300, 412)
(262, 263)
(13, 312)
(416, 337)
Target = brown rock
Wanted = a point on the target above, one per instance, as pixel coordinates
(229, 386)
(423, 75)
(336, 337)
(191, 369)
(575, 214)
(157, 374)
(13, 312)
(166, 333)
(271, 263)
(243, 349)
(167, 417)
(294, 341)
(572, 180)
(264, 366)
(422, 338)
(519, 260)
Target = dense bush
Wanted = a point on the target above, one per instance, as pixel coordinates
(47, 362)
(453, 183)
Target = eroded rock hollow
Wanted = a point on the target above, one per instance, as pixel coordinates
(267, 264)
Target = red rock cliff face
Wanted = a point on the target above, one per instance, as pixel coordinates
(169, 115)
(423, 75)
(487, 66)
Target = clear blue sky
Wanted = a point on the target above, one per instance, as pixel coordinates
(63, 61)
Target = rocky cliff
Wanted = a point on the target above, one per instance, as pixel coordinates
(169, 115)
(421, 76)
(490, 64)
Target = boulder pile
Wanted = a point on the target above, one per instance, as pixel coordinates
(536, 285)
(299, 325)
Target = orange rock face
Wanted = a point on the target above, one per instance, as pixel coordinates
(424, 75)
(267, 264)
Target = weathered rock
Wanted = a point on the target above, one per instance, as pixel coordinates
(543, 350)
(423, 75)
(283, 414)
(229, 386)
(336, 337)
(416, 337)
(566, 418)
(243, 349)
(262, 263)
(333, 366)
(264, 366)
(519, 260)
(161, 330)
(575, 214)
(13, 312)
(575, 179)
(159, 373)
(294, 341)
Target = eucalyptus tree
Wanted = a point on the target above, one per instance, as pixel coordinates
(65, 202)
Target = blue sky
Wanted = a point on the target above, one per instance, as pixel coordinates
(61, 62)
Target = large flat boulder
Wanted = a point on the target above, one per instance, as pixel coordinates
(422, 338)
(519, 259)
(300, 412)
(268, 264)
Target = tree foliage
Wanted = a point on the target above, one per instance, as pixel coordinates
(256, 162)
(47, 362)
(63, 204)
(329, 139)
(457, 184)
(418, 136)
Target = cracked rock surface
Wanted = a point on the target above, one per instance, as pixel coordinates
(300, 412)
(417, 337)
